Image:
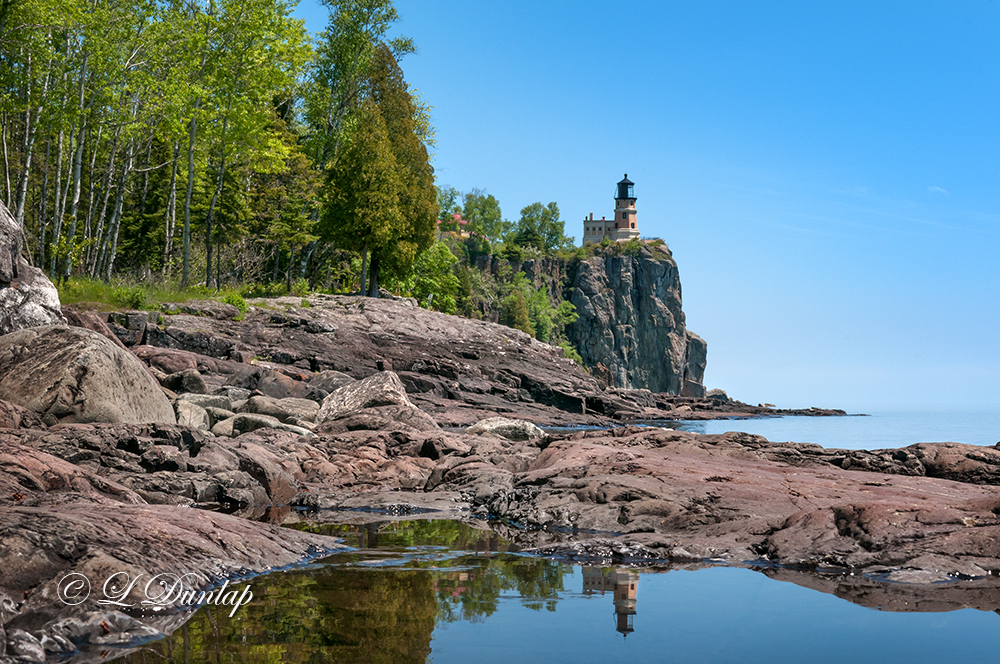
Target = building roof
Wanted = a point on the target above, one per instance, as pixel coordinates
(626, 180)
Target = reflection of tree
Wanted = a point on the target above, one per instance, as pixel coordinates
(454, 535)
(536, 580)
(332, 614)
(347, 614)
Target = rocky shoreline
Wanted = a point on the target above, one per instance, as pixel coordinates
(327, 405)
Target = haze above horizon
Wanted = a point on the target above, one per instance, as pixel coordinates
(825, 174)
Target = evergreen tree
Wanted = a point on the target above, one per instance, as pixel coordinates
(418, 203)
(515, 313)
(362, 207)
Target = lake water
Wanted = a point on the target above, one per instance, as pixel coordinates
(440, 591)
(878, 430)
(437, 591)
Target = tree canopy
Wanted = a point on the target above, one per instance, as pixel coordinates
(541, 226)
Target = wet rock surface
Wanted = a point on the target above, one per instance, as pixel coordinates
(73, 502)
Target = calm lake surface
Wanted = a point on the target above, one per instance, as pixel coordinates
(443, 591)
(878, 430)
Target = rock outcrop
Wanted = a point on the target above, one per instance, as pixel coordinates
(27, 297)
(631, 326)
(456, 370)
(70, 374)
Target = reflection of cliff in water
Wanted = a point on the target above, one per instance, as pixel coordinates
(623, 584)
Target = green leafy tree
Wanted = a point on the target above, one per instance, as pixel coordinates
(283, 204)
(482, 211)
(542, 221)
(435, 283)
(529, 237)
(418, 205)
(447, 198)
(335, 84)
(463, 297)
(564, 315)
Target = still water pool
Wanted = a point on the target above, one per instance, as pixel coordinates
(440, 591)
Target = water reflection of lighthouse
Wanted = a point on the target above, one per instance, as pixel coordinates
(622, 583)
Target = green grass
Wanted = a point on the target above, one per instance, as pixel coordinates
(131, 295)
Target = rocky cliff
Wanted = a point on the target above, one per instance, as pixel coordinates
(631, 327)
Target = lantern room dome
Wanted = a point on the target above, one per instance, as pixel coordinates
(626, 189)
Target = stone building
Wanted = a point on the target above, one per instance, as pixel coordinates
(623, 227)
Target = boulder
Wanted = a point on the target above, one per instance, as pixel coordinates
(246, 422)
(187, 381)
(383, 418)
(13, 416)
(225, 427)
(208, 400)
(329, 380)
(216, 415)
(506, 428)
(269, 382)
(233, 393)
(70, 374)
(91, 320)
(717, 395)
(275, 475)
(381, 389)
(27, 297)
(283, 409)
(192, 415)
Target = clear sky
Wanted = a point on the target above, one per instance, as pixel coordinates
(825, 173)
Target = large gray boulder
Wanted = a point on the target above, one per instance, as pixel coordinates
(69, 374)
(27, 297)
(381, 389)
(286, 410)
(376, 403)
(518, 430)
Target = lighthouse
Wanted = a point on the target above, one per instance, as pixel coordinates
(623, 226)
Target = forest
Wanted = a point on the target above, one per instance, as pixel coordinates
(218, 147)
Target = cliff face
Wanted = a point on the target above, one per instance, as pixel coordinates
(631, 327)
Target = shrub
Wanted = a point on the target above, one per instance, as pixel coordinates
(571, 352)
(131, 297)
(512, 253)
(236, 300)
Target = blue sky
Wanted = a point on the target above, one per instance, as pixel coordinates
(826, 174)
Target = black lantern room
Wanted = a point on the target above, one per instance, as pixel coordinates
(626, 189)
